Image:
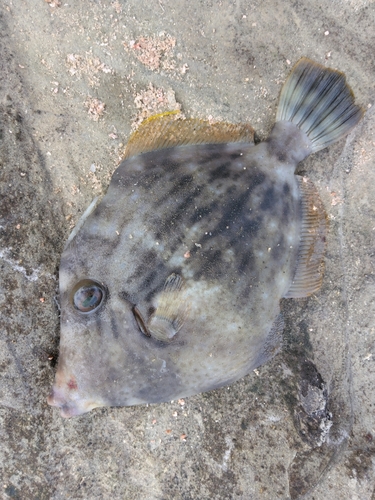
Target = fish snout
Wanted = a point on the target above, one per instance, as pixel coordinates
(71, 404)
(66, 408)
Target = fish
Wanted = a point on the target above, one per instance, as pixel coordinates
(171, 284)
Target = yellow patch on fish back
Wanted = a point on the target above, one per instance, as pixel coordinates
(166, 130)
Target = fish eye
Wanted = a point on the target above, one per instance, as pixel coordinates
(88, 295)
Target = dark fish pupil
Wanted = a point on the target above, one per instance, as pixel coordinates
(88, 298)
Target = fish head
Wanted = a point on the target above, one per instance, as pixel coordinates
(107, 355)
(91, 342)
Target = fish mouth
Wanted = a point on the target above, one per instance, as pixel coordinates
(71, 407)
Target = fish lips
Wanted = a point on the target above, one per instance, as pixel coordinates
(71, 408)
(65, 395)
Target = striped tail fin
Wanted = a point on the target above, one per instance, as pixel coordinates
(320, 102)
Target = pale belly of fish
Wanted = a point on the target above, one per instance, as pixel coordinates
(171, 285)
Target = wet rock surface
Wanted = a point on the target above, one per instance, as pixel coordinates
(73, 80)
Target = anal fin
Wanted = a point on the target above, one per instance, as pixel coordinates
(309, 273)
(272, 343)
(274, 339)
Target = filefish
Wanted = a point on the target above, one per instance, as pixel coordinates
(171, 284)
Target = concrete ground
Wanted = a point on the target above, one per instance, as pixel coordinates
(75, 77)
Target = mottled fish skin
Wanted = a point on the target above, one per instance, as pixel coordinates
(226, 218)
(225, 221)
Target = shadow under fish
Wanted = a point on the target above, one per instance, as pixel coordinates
(170, 286)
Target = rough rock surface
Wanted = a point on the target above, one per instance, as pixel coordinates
(75, 77)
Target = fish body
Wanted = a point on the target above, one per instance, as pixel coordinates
(171, 284)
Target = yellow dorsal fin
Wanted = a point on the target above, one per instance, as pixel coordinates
(167, 130)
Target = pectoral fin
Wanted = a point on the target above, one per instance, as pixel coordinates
(170, 312)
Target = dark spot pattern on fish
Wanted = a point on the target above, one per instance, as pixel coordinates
(127, 297)
(99, 211)
(221, 172)
(186, 203)
(286, 212)
(268, 201)
(150, 392)
(108, 245)
(210, 152)
(114, 328)
(246, 262)
(99, 322)
(232, 212)
(273, 148)
(286, 189)
(204, 212)
(123, 178)
(182, 186)
(147, 280)
(145, 258)
(236, 155)
(251, 226)
(279, 249)
(282, 156)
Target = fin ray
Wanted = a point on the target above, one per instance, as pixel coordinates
(274, 339)
(320, 102)
(171, 311)
(309, 273)
(167, 130)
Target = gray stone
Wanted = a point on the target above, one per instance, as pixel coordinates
(58, 63)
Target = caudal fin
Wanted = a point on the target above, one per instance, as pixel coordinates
(320, 102)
